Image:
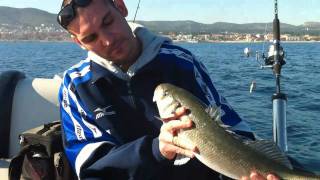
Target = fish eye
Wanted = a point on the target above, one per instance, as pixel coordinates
(166, 93)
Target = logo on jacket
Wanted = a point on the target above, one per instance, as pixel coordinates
(101, 112)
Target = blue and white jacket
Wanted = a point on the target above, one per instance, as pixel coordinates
(108, 116)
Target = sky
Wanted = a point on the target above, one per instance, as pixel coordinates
(294, 12)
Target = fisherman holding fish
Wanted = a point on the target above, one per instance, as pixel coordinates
(111, 124)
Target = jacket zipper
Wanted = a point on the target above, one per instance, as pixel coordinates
(131, 97)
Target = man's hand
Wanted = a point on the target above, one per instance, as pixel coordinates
(256, 176)
(169, 143)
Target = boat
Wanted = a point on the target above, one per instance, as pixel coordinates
(25, 103)
(192, 41)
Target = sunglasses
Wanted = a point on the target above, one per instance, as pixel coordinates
(68, 12)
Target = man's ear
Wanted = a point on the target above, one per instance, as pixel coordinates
(76, 40)
(121, 7)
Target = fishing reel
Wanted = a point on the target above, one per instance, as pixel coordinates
(270, 59)
(267, 61)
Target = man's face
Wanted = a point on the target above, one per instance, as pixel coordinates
(102, 28)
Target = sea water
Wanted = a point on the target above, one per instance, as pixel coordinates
(232, 74)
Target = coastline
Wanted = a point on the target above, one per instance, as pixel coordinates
(41, 41)
(245, 42)
(175, 41)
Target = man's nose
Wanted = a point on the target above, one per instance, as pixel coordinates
(107, 39)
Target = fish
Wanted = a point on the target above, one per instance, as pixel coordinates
(220, 149)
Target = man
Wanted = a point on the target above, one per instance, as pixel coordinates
(109, 119)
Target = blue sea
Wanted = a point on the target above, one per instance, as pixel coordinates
(232, 75)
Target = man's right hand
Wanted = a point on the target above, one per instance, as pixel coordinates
(169, 143)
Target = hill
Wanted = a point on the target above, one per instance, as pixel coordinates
(34, 17)
(26, 16)
(218, 27)
(312, 25)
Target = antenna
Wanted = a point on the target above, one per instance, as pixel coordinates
(135, 15)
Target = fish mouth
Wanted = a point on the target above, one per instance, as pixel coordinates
(158, 94)
(166, 103)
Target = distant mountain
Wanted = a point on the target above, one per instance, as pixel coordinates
(312, 25)
(26, 16)
(218, 27)
(36, 17)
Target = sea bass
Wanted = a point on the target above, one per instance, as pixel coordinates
(219, 149)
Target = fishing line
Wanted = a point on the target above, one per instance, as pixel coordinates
(135, 15)
(265, 33)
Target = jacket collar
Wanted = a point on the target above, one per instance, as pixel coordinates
(98, 71)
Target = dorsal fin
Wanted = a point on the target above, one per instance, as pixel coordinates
(271, 150)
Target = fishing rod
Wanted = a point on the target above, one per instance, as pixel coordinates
(279, 99)
(275, 61)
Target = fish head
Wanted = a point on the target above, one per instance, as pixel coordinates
(169, 98)
(165, 100)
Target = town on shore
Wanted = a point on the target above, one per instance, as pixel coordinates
(53, 33)
(238, 37)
